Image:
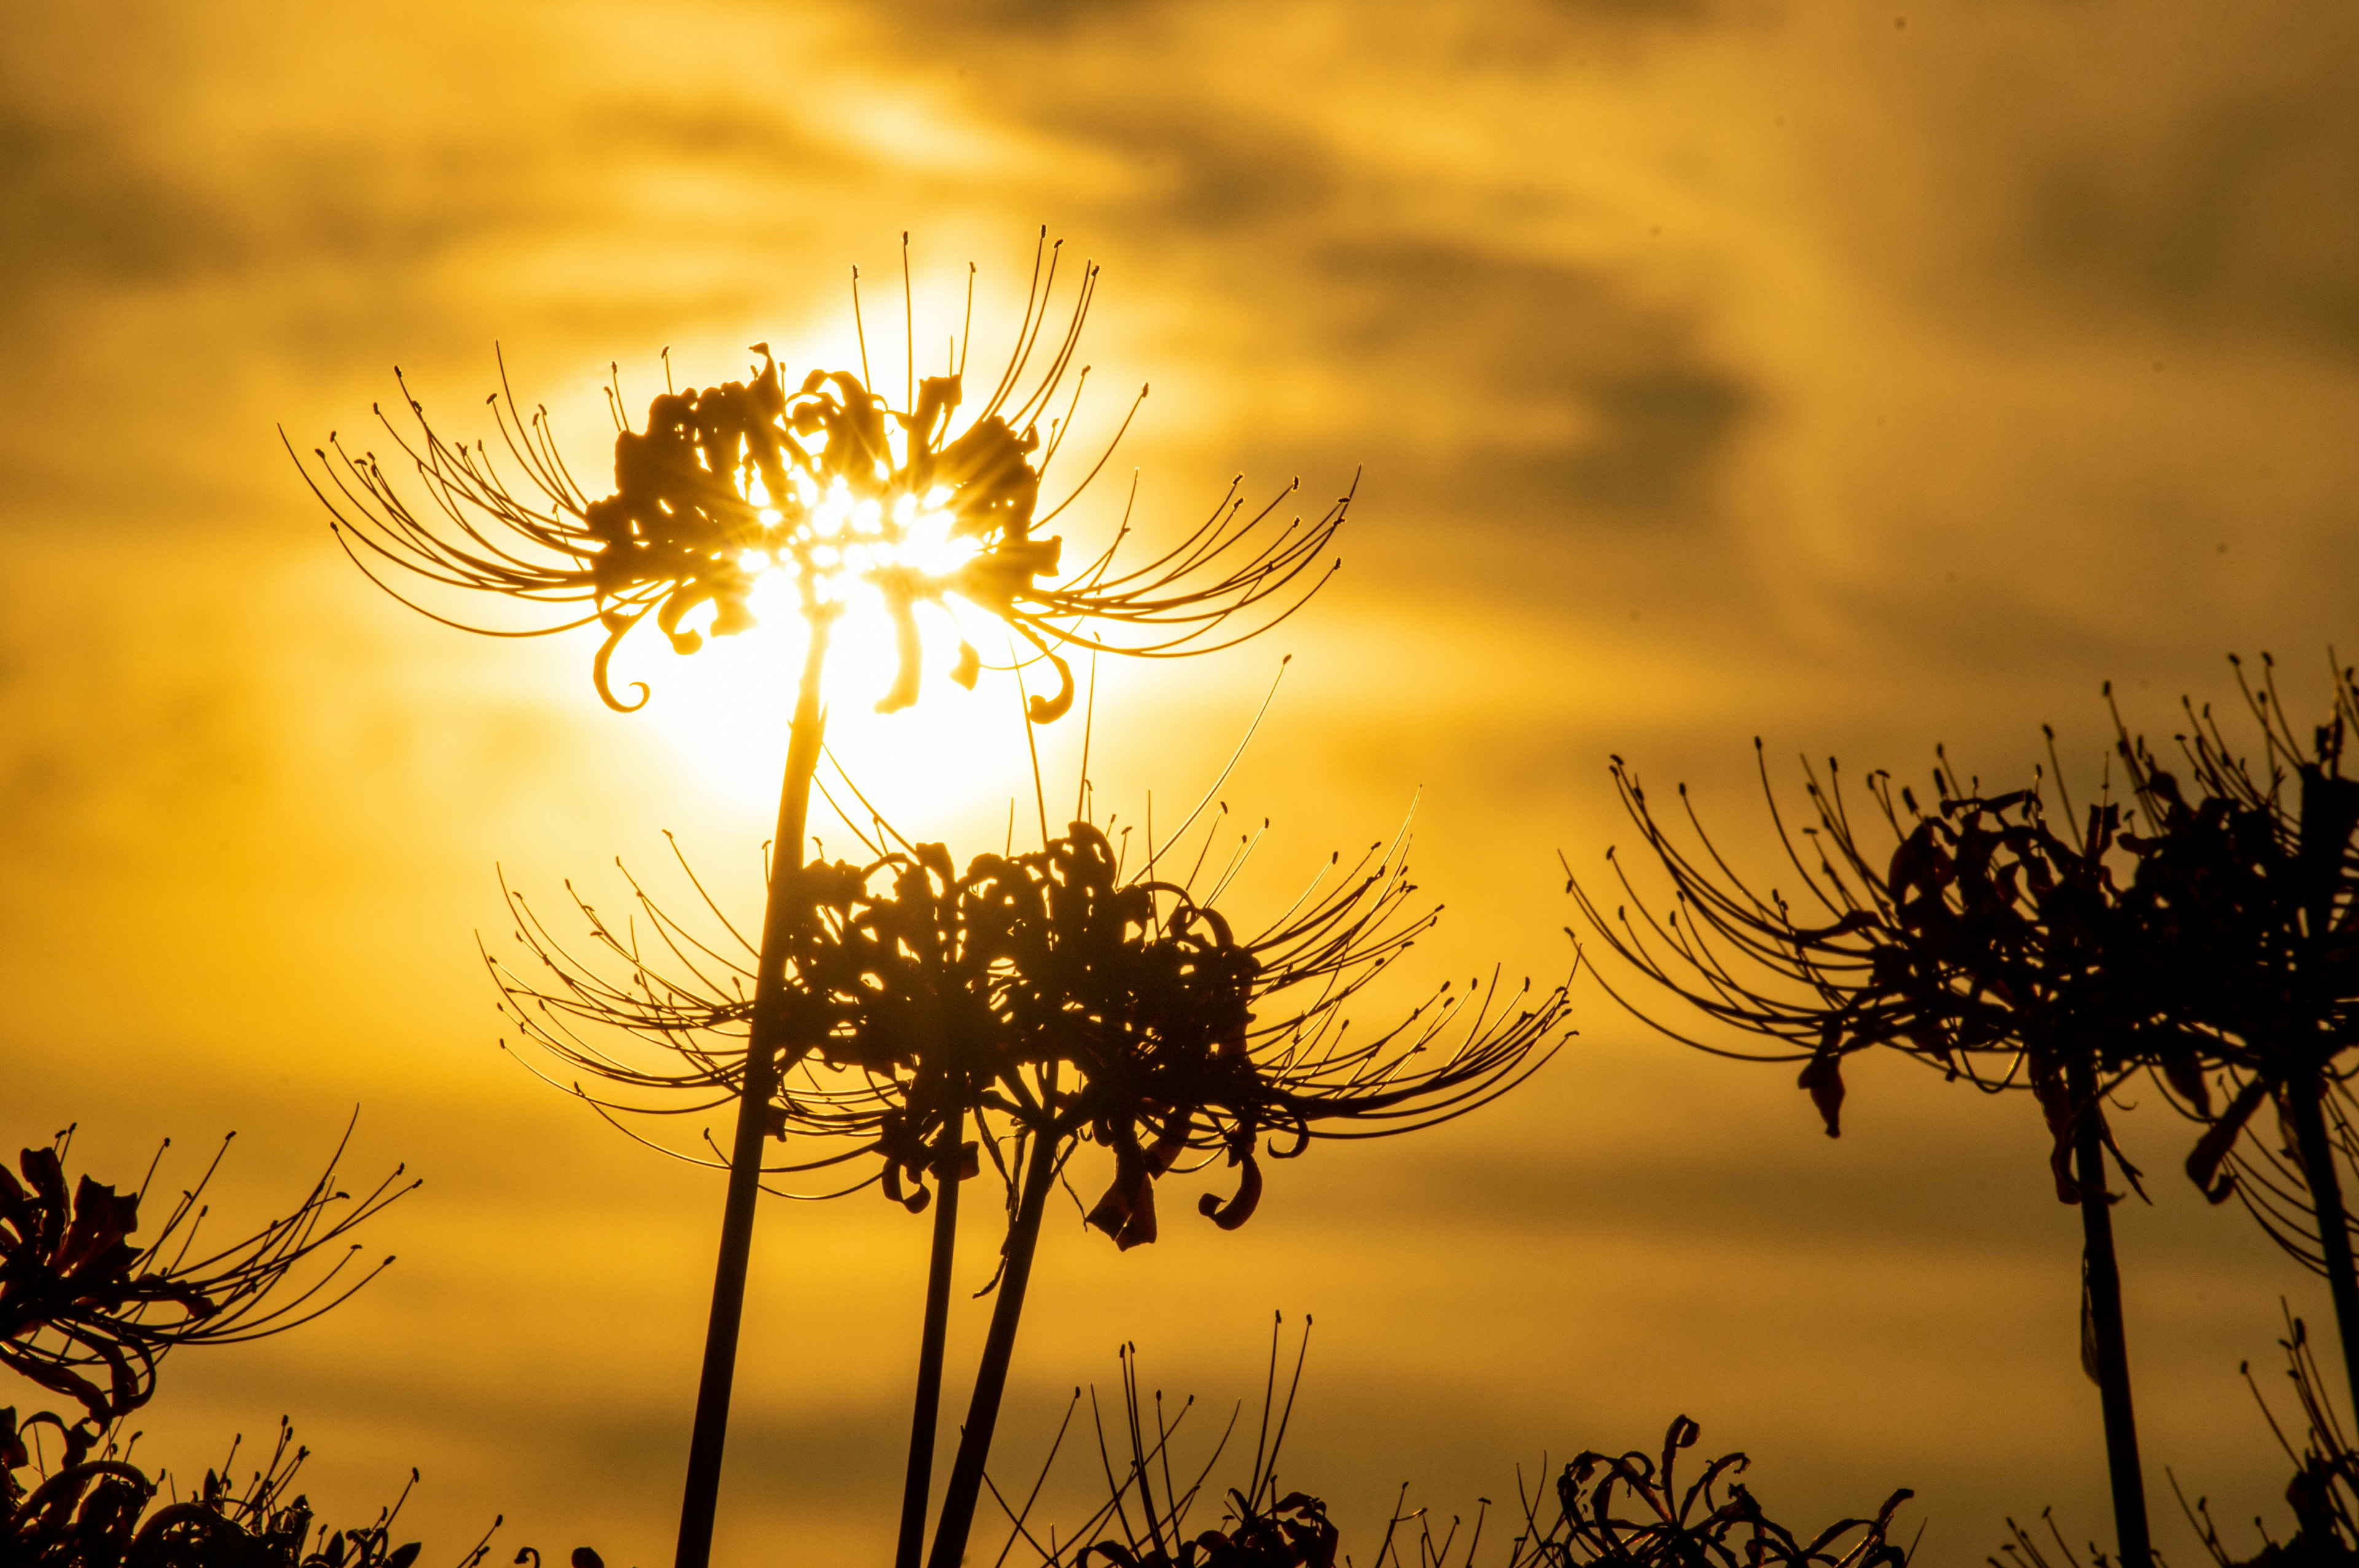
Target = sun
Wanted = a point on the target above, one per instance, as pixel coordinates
(725, 710)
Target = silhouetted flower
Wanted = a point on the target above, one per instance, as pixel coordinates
(101, 1512)
(1049, 994)
(2246, 901)
(828, 485)
(2250, 897)
(86, 1312)
(1986, 944)
(2323, 1492)
(1631, 1510)
(1144, 1522)
(1054, 998)
(1619, 1510)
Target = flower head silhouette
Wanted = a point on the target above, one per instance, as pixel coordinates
(826, 484)
(1049, 994)
(2246, 900)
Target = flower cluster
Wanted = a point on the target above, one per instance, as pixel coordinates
(1048, 995)
(101, 1512)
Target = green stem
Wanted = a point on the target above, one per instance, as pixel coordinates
(965, 1486)
(2102, 1281)
(782, 912)
(2309, 1118)
(931, 1340)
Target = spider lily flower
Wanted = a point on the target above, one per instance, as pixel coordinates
(1629, 1509)
(100, 1510)
(86, 1312)
(1984, 942)
(1149, 1515)
(2247, 890)
(1048, 993)
(824, 482)
(1987, 944)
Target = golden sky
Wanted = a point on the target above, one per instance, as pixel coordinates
(1861, 378)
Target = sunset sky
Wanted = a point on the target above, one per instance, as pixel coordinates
(1863, 379)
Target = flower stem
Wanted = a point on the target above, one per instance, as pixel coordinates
(783, 911)
(931, 1340)
(965, 1486)
(2309, 1119)
(2102, 1283)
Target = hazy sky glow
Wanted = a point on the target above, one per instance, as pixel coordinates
(1860, 379)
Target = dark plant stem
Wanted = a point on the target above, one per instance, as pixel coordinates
(2309, 1118)
(2101, 1280)
(965, 1486)
(782, 911)
(931, 1339)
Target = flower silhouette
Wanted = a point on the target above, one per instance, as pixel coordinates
(826, 484)
(1046, 994)
(2246, 897)
(87, 1312)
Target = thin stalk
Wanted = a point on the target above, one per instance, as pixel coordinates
(2303, 1109)
(932, 1338)
(2102, 1281)
(782, 911)
(965, 1486)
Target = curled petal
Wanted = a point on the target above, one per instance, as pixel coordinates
(1049, 709)
(2210, 1150)
(1127, 1212)
(1822, 1078)
(1239, 1209)
(2185, 1075)
(614, 635)
(900, 603)
(914, 1199)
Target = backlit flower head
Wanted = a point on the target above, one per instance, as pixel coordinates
(1053, 995)
(824, 482)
